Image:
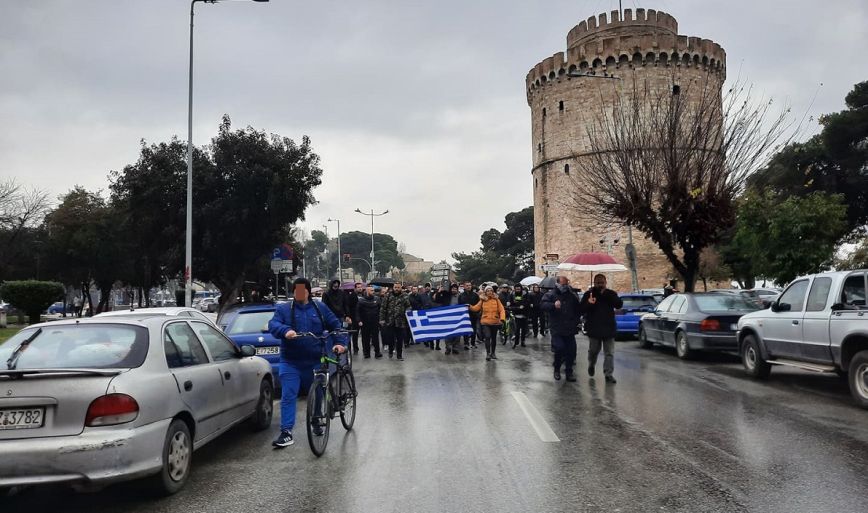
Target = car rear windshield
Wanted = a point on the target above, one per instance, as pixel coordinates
(83, 346)
(724, 302)
(639, 302)
(250, 322)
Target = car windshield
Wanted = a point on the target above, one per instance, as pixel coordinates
(250, 322)
(724, 302)
(639, 302)
(90, 346)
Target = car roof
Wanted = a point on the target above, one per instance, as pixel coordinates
(163, 310)
(634, 294)
(96, 320)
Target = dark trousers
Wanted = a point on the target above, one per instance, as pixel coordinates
(538, 324)
(394, 337)
(520, 329)
(489, 334)
(355, 326)
(370, 336)
(565, 351)
(474, 323)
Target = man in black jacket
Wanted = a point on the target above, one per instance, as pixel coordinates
(351, 300)
(599, 305)
(336, 300)
(564, 310)
(536, 316)
(368, 315)
(468, 297)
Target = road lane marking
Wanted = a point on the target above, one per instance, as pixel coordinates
(539, 424)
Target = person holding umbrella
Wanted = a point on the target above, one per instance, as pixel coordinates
(564, 310)
(599, 305)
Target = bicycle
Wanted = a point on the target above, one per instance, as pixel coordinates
(323, 401)
(507, 330)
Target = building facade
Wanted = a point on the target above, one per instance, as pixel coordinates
(615, 56)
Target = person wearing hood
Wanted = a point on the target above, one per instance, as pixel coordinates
(564, 310)
(336, 300)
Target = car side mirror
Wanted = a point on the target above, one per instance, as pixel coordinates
(248, 350)
(774, 307)
(781, 307)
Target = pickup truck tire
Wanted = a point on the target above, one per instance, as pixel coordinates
(751, 358)
(644, 343)
(682, 346)
(858, 378)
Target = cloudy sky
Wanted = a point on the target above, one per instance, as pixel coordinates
(416, 107)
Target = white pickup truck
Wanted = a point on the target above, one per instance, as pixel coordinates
(818, 323)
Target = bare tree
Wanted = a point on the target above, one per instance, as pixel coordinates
(21, 209)
(671, 160)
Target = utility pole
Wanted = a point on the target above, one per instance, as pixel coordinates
(340, 255)
(373, 215)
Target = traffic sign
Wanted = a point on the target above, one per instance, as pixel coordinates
(552, 256)
(439, 274)
(441, 267)
(281, 266)
(549, 267)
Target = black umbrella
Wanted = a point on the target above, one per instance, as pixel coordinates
(549, 282)
(382, 282)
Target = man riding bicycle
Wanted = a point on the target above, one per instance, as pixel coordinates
(299, 356)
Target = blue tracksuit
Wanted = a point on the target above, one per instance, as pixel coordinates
(299, 357)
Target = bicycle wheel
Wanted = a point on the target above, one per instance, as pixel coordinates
(318, 420)
(347, 397)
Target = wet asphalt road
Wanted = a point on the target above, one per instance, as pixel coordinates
(447, 434)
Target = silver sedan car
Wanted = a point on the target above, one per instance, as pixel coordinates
(91, 402)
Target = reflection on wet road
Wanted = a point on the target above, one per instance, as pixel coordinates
(437, 433)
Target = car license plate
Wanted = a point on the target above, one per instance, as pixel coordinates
(268, 350)
(26, 418)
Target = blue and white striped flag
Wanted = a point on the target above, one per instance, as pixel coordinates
(439, 323)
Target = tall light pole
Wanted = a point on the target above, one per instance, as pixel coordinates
(340, 255)
(188, 251)
(373, 215)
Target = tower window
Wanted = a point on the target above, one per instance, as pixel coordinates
(561, 105)
(566, 168)
(544, 112)
(535, 182)
(539, 147)
(676, 89)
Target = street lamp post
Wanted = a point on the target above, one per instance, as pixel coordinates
(373, 215)
(340, 255)
(188, 250)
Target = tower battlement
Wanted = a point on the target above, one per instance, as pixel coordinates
(603, 45)
(648, 22)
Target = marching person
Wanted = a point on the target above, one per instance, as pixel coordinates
(299, 356)
(336, 300)
(426, 303)
(599, 305)
(505, 296)
(393, 319)
(442, 298)
(519, 309)
(351, 301)
(537, 317)
(468, 297)
(492, 314)
(564, 309)
(452, 342)
(368, 315)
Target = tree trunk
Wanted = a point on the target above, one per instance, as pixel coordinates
(85, 293)
(34, 317)
(705, 284)
(229, 292)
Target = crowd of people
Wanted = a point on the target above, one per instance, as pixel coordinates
(498, 314)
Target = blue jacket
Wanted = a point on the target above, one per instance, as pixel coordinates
(303, 349)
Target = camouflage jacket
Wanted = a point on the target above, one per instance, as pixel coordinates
(392, 310)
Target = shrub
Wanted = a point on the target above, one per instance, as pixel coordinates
(31, 296)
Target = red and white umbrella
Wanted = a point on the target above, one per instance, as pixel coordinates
(593, 262)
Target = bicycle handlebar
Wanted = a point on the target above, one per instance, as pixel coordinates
(325, 334)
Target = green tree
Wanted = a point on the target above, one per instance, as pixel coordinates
(31, 296)
(259, 185)
(358, 246)
(788, 237)
(506, 256)
(857, 259)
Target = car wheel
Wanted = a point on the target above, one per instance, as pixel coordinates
(682, 346)
(644, 343)
(177, 459)
(752, 359)
(264, 407)
(858, 378)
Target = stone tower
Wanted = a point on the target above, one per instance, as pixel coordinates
(644, 49)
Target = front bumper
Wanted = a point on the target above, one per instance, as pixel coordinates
(96, 456)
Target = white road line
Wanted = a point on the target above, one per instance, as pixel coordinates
(539, 424)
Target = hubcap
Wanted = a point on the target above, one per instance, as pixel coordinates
(750, 357)
(682, 344)
(862, 380)
(179, 456)
(267, 405)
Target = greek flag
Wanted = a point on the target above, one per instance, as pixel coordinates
(439, 323)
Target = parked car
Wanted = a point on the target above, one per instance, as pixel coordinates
(635, 306)
(173, 311)
(209, 304)
(657, 294)
(89, 402)
(819, 324)
(56, 308)
(763, 297)
(247, 324)
(705, 321)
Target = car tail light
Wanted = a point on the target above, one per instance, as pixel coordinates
(709, 325)
(111, 409)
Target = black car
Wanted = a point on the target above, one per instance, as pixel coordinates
(695, 322)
